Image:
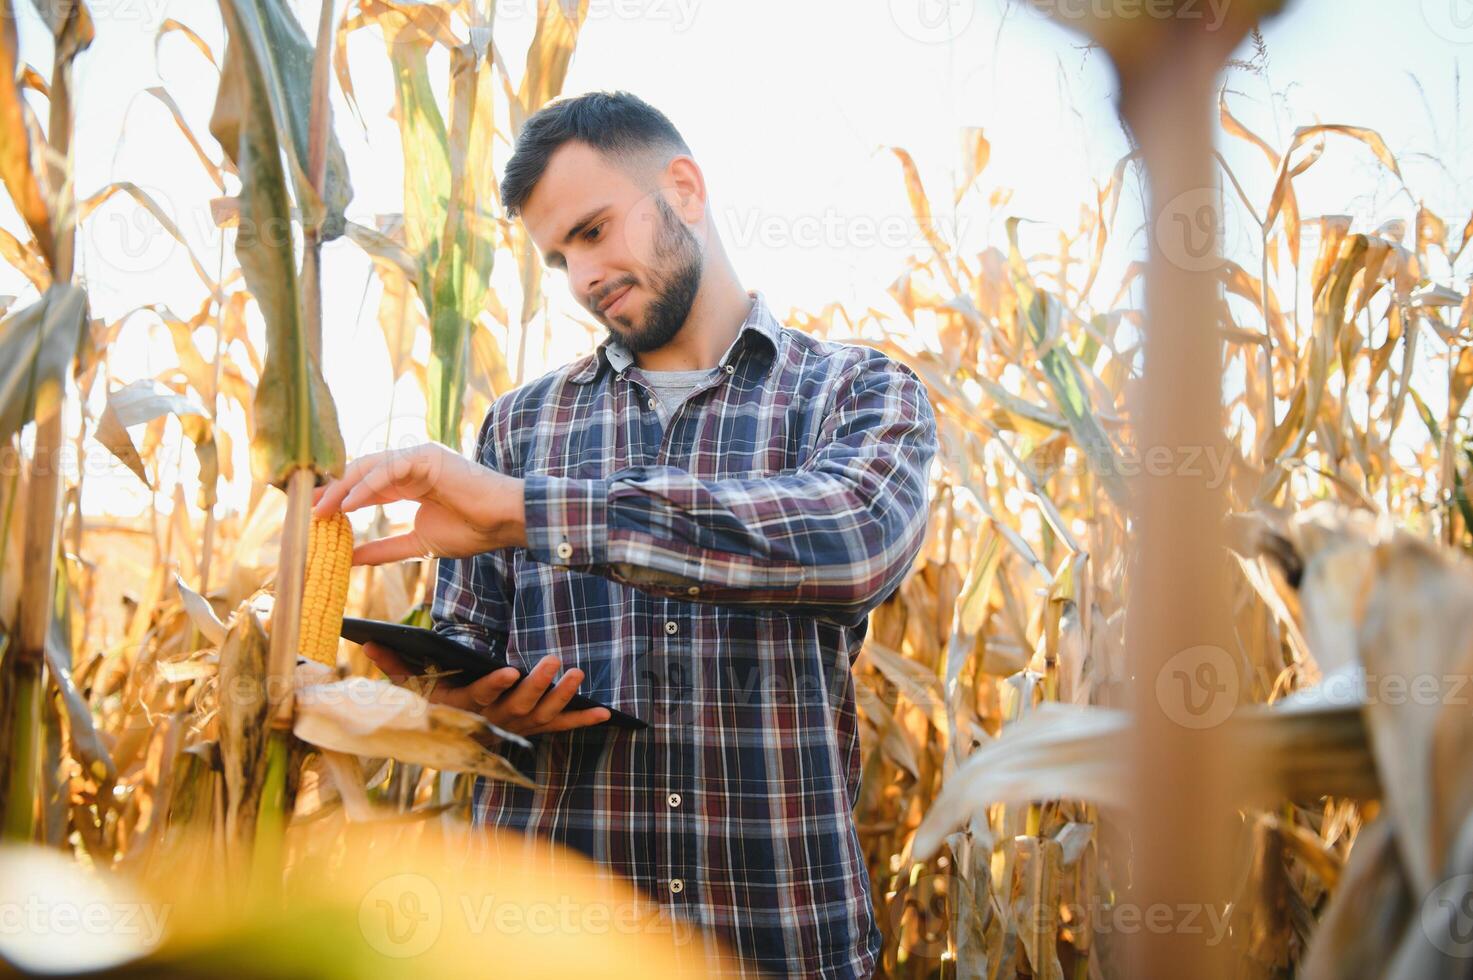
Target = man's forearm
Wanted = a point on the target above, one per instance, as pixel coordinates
(503, 517)
(835, 534)
(809, 539)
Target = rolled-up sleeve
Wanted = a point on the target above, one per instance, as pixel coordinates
(834, 536)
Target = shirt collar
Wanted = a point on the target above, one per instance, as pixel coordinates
(759, 320)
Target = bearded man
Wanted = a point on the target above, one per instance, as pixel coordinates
(695, 520)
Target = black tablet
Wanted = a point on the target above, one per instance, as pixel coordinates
(424, 648)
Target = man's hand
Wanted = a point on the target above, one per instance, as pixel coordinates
(528, 708)
(464, 508)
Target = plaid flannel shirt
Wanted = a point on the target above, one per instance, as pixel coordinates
(714, 578)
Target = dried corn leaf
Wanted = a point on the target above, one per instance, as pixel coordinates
(380, 719)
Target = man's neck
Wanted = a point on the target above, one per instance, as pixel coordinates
(715, 318)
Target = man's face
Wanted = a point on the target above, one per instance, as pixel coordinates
(619, 244)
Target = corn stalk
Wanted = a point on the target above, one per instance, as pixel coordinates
(45, 339)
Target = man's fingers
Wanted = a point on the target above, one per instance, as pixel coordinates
(456, 697)
(571, 719)
(396, 547)
(387, 661)
(333, 493)
(486, 690)
(397, 671)
(524, 697)
(530, 705)
(379, 471)
(390, 480)
(554, 701)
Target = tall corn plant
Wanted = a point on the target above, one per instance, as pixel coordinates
(162, 789)
(1020, 599)
(449, 231)
(271, 118)
(440, 249)
(38, 346)
(113, 711)
(1181, 778)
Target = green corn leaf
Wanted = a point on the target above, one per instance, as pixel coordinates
(296, 420)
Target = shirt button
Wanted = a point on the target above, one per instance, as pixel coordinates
(673, 799)
(731, 369)
(565, 550)
(672, 627)
(676, 886)
(651, 403)
(693, 590)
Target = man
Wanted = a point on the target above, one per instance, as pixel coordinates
(696, 520)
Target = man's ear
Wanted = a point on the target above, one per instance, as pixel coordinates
(687, 187)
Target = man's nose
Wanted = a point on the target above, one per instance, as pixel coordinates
(591, 283)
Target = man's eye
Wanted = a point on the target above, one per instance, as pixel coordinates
(592, 232)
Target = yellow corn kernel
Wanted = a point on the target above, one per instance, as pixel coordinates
(325, 591)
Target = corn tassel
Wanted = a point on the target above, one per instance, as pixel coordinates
(325, 591)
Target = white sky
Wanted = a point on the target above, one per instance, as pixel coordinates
(788, 107)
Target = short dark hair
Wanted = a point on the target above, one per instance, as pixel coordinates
(618, 124)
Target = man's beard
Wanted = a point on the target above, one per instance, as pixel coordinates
(677, 250)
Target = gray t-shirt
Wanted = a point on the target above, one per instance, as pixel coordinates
(671, 387)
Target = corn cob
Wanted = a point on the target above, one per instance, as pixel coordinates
(325, 591)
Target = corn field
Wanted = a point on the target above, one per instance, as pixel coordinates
(159, 739)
